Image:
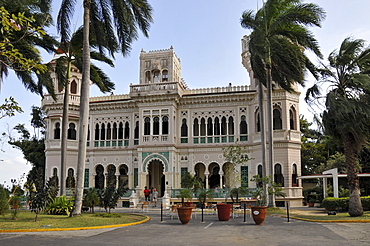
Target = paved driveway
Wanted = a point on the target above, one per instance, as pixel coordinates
(275, 231)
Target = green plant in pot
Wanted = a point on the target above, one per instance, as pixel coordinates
(203, 195)
(184, 212)
(235, 156)
(259, 210)
(190, 182)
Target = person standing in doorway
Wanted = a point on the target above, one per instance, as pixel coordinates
(155, 196)
(146, 193)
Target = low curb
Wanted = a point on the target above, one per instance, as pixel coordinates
(147, 218)
(328, 221)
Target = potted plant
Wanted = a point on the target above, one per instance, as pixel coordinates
(203, 195)
(259, 210)
(184, 212)
(311, 202)
(235, 155)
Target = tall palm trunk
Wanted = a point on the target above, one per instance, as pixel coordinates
(63, 158)
(263, 135)
(270, 130)
(84, 111)
(355, 206)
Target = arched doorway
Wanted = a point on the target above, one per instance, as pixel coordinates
(111, 180)
(156, 178)
(123, 177)
(99, 178)
(214, 175)
(199, 172)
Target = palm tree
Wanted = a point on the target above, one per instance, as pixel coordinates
(71, 53)
(347, 113)
(33, 79)
(277, 43)
(127, 17)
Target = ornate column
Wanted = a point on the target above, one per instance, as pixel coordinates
(221, 175)
(206, 173)
(106, 180)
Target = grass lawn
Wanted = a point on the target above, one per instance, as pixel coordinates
(26, 220)
(340, 217)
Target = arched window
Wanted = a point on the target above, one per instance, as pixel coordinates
(196, 127)
(114, 131)
(184, 128)
(57, 131)
(243, 125)
(102, 132)
(147, 77)
(120, 130)
(136, 131)
(260, 174)
(54, 178)
(164, 125)
(70, 181)
(202, 127)
(109, 132)
(156, 77)
(147, 126)
(72, 131)
(156, 125)
(223, 126)
(97, 131)
(294, 176)
(217, 127)
(292, 119)
(231, 125)
(278, 175)
(73, 87)
(127, 130)
(164, 76)
(277, 122)
(209, 127)
(258, 123)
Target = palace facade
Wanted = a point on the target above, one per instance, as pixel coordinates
(162, 129)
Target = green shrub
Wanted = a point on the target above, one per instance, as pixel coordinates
(365, 203)
(60, 206)
(342, 204)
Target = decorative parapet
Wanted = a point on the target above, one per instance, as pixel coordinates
(48, 99)
(110, 98)
(156, 88)
(280, 135)
(240, 88)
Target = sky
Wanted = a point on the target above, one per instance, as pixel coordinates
(206, 36)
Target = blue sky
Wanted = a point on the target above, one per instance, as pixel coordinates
(206, 36)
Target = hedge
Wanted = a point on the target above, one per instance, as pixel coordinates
(341, 204)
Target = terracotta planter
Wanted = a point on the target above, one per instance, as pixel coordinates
(259, 214)
(184, 214)
(223, 211)
(311, 204)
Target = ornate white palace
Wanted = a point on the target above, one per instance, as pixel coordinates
(162, 129)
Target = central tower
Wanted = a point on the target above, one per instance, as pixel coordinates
(159, 66)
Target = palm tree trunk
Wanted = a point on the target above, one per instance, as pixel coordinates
(84, 110)
(263, 135)
(355, 206)
(270, 130)
(64, 134)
